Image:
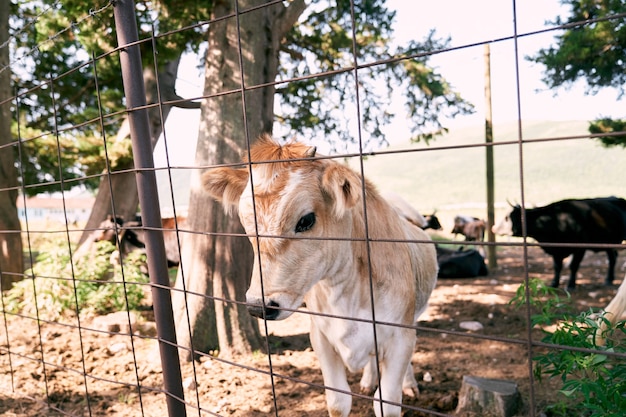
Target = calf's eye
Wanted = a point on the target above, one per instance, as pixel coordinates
(305, 223)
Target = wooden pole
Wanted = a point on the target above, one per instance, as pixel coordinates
(491, 249)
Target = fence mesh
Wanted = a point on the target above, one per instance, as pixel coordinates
(81, 333)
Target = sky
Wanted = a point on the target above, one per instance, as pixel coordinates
(477, 21)
(466, 23)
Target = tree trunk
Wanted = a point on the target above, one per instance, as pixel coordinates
(122, 191)
(216, 265)
(11, 257)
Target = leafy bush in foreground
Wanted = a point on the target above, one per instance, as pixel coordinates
(586, 359)
(90, 285)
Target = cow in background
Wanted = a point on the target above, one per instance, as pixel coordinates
(572, 222)
(128, 236)
(472, 228)
(119, 233)
(405, 210)
(410, 213)
(172, 239)
(460, 263)
(432, 222)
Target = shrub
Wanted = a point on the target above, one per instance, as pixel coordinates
(593, 374)
(90, 285)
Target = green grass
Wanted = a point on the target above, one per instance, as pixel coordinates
(452, 181)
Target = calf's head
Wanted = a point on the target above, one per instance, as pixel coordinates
(297, 214)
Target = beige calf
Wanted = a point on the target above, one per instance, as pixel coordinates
(613, 312)
(313, 244)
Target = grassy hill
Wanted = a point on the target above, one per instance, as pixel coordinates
(449, 174)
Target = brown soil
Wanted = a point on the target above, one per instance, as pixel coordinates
(52, 382)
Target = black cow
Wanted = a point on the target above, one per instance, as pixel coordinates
(573, 221)
(460, 263)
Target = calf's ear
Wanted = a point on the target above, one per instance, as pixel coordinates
(343, 186)
(225, 185)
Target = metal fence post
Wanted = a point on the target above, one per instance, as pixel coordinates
(134, 90)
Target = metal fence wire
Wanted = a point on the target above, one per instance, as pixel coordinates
(113, 346)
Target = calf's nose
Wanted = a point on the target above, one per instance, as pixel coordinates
(269, 311)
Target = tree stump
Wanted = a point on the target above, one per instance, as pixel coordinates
(488, 397)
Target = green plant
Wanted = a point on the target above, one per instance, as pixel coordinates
(592, 373)
(546, 303)
(112, 288)
(89, 285)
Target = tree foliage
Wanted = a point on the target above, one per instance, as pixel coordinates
(320, 54)
(63, 36)
(592, 47)
(56, 43)
(60, 47)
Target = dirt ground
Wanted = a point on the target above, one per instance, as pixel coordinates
(116, 365)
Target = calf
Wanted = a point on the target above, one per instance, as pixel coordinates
(613, 312)
(307, 223)
(559, 226)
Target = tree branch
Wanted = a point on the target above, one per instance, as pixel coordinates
(186, 104)
(291, 14)
(183, 103)
(167, 80)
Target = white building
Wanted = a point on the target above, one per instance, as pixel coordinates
(75, 209)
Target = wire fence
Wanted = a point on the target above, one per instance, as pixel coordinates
(114, 348)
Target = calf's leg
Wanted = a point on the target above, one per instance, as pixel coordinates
(409, 385)
(397, 356)
(334, 373)
(369, 380)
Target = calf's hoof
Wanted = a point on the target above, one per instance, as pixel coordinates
(367, 390)
(411, 392)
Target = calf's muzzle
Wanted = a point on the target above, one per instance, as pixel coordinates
(268, 311)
